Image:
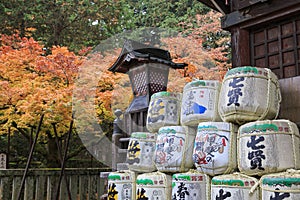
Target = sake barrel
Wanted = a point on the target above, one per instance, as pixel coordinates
(174, 148)
(268, 146)
(155, 185)
(164, 110)
(200, 102)
(285, 185)
(235, 186)
(191, 185)
(249, 94)
(215, 148)
(141, 151)
(121, 185)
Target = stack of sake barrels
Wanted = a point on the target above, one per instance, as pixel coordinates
(214, 141)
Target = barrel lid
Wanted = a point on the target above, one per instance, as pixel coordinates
(201, 83)
(166, 94)
(176, 129)
(216, 126)
(269, 126)
(199, 177)
(122, 176)
(143, 135)
(244, 70)
(154, 179)
(236, 179)
(251, 71)
(288, 178)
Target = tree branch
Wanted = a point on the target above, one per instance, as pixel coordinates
(24, 133)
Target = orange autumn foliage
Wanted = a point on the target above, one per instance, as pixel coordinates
(33, 83)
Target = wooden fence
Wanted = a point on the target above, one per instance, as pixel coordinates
(41, 184)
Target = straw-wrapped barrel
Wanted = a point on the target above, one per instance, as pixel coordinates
(164, 110)
(249, 94)
(235, 186)
(268, 146)
(190, 185)
(174, 148)
(215, 148)
(154, 185)
(200, 102)
(121, 185)
(141, 152)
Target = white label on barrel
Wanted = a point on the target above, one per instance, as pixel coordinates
(211, 148)
(163, 110)
(198, 102)
(119, 191)
(189, 187)
(143, 193)
(226, 193)
(169, 150)
(141, 153)
(280, 194)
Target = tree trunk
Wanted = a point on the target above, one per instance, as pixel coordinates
(53, 156)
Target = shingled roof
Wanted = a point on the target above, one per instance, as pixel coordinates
(135, 53)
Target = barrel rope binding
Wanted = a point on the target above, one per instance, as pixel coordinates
(265, 113)
(208, 187)
(294, 143)
(216, 107)
(254, 187)
(279, 98)
(186, 143)
(232, 149)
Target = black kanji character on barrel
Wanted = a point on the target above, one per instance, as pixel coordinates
(279, 196)
(223, 196)
(182, 191)
(257, 155)
(236, 92)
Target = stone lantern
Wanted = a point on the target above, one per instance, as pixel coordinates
(148, 70)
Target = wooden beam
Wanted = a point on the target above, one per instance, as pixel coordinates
(260, 13)
(240, 45)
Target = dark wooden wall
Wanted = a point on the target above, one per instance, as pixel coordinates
(266, 33)
(251, 24)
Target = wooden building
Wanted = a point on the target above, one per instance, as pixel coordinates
(266, 33)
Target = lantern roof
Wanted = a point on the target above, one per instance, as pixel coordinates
(135, 53)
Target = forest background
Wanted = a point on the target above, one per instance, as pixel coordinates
(44, 43)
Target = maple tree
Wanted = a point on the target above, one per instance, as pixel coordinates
(33, 84)
(203, 46)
